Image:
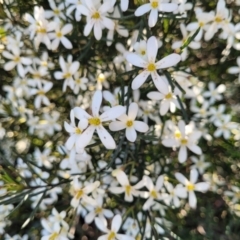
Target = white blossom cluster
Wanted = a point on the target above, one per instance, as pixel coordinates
(109, 124)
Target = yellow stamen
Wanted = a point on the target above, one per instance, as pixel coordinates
(41, 92)
(16, 59)
(41, 30)
(151, 67)
(168, 96)
(53, 236)
(154, 4)
(78, 131)
(177, 134)
(111, 236)
(94, 121)
(59, 34)
(79, 194)
(143, 52)
(190, 187)
(56, 11)
(184, 141)
(153, 194)
(67, 75)
(128, 189)
(218, 19)
(98, 210)
(96, 15)
(129, 123)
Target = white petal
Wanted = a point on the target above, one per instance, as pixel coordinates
(142, 9)
(139, 80)
(192, 200)
(159, 82)
(152, 49)
(167, 7)
(202, 186)
(101, 225)
(124, 5)
(116, 223)
(112, 113)
(141, 126)
(196, 149)
(193, 175)
(106, 138)
(117, 126)
(182, 155)
(122, 178)
(96, 102)
(168, 61)
(80, 113)
(153, 17)
(181, 178)
(155, 95)
(66, 43)
(131, 134)
(135, 60)
(133, 110)
(85, 137)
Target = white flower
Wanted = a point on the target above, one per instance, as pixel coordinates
(128, 122)
(126, 188)
(121, 30)
(75, 5)
(79, 83)
(200, 164)
(16, 61)
(153, 191)
(96, 18)
(154, 6)
(81, 193)
(168, 99)
(40, 92)
(68, 70)
(95, 122)
(191, 186)
(224, 126)
(149, 66)
(184, 140)
(58, 36)
(56, 12)
(214, 93)
(115, 227)
(235, 69)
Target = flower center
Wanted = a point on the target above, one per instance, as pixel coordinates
(177, 134)
(190, 187)
(111, 236)
(16, 59)
(41, 30)
(153, 194)
(98, 210)
(78, 81)
(143, 52)
(56, 11)
(53, 236)
(168, 96)
(101, 77)
(41, 92)
(94, 121)
(129, 123)
(128, 189)
(59, 34)
(154, 4)
(151, 67)
(67, 75)
(201, 24)
(79, 194)
(96, 15)
(218, 19)
(78, 131)
(184, 141)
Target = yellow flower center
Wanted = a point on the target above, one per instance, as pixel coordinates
(111, 236)
(96, 15)
(78, 81)
(98, 210)
(201, 24)
(41, 30)
(59, 34)
(153, 194)
(151, 67)
(168, 96)
(128, 189)
(41, 92)
(237, 195)
(16, 59)
(53, 236)
(143, 52)
(94, 121)
(184, 141)
(218, 19)
(154, 4)
(79, 194)
(177, 134)
(101, 77)
(67, 75)
(190, 187)
(36, 75)
(78, 131)
(56, 11)
(129, 123)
